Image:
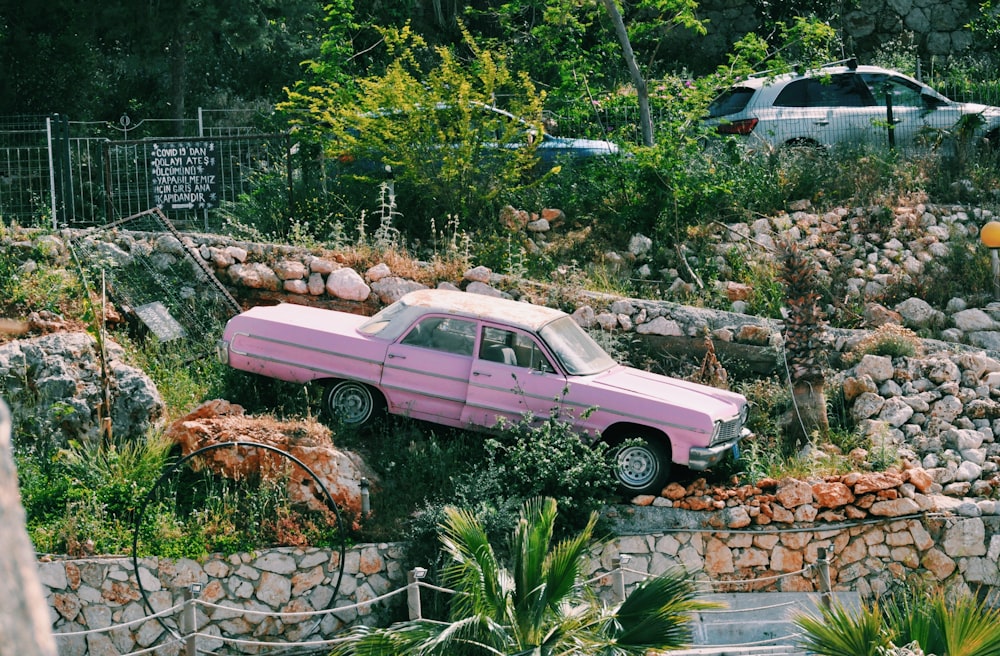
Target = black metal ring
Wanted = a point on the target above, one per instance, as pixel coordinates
(149, 495)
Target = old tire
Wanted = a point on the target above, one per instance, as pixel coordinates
(352, 404)
(642, 467)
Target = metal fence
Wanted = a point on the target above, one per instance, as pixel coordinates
(59, 172)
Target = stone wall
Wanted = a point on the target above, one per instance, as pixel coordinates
(85, 595)
(935, 27)
(953, 549)
(880, 529)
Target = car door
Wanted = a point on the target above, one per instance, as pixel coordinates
(916, 121)
(512, 379)
(426, 372)
(828, 110)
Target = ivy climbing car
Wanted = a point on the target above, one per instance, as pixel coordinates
(473, 361)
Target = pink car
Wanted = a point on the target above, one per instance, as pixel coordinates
(472, 361)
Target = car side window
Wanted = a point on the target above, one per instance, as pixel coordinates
(446, 334)
(513, 348)
(831, 91)
(904, 93)
(730, 102)
(496, 345)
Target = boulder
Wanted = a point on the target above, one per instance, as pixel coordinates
(218, 422)
(58, 380)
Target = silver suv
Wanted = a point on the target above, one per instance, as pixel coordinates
(844, 103)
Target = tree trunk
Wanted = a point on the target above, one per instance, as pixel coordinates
(642, 92)
(807, 417)
(178, 75)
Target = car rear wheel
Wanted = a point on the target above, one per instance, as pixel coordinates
(351, 403)
(642, 467)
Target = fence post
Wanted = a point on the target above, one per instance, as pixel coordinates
(189, 620)
(890, 119)
(823, 565)
(413, 591)
(52, 172)
(618, 576)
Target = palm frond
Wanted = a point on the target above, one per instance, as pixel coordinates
(968, 626)
(473, 571)
(564, 564)
(530, 544)
(839, 632)
(658, 612)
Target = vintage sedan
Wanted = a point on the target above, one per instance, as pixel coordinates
(473, 361)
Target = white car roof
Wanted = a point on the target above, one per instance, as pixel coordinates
(480, 306)
(759, 80)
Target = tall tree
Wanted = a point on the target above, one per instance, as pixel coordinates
(156, 58)
(537, 606)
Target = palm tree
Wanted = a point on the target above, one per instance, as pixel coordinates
(538, 606)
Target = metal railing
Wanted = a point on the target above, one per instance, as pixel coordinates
(56, 172)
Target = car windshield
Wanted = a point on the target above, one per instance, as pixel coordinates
(577, 351)
(730, 102)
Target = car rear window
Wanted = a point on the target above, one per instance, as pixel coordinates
(831, 91)
(731, 101)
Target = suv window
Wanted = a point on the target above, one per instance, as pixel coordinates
(731, 101)
(843, 90)
(904, 93)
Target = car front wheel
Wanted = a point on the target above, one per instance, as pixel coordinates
(642, 465)
(351, 403)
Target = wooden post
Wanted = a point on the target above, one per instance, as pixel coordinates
(413, 591)
(823, 568)
(25, 622)
(618, 578)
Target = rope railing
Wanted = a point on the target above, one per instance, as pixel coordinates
(151, 649)
(145, 618)
(303, 614)
(261, 643)
(730, 611)
(189, 633)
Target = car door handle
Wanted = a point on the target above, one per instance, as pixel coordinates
(480, 373)
(392, 357)
(822, 123)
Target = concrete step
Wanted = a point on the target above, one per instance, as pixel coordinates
(730, 650)
(754, 624)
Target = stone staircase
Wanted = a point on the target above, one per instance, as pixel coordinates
(754, 624)
(771, 650)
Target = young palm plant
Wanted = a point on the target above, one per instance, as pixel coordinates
(536, 607)
(838, 631)
(936, 622)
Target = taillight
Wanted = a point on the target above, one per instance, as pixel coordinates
(743, 126)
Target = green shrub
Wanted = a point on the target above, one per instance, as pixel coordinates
(890, 340)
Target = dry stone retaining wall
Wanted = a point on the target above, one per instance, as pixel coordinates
(868, 556)
(934, 27)
(100, 593)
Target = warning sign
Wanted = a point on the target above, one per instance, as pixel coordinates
(185, 175)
